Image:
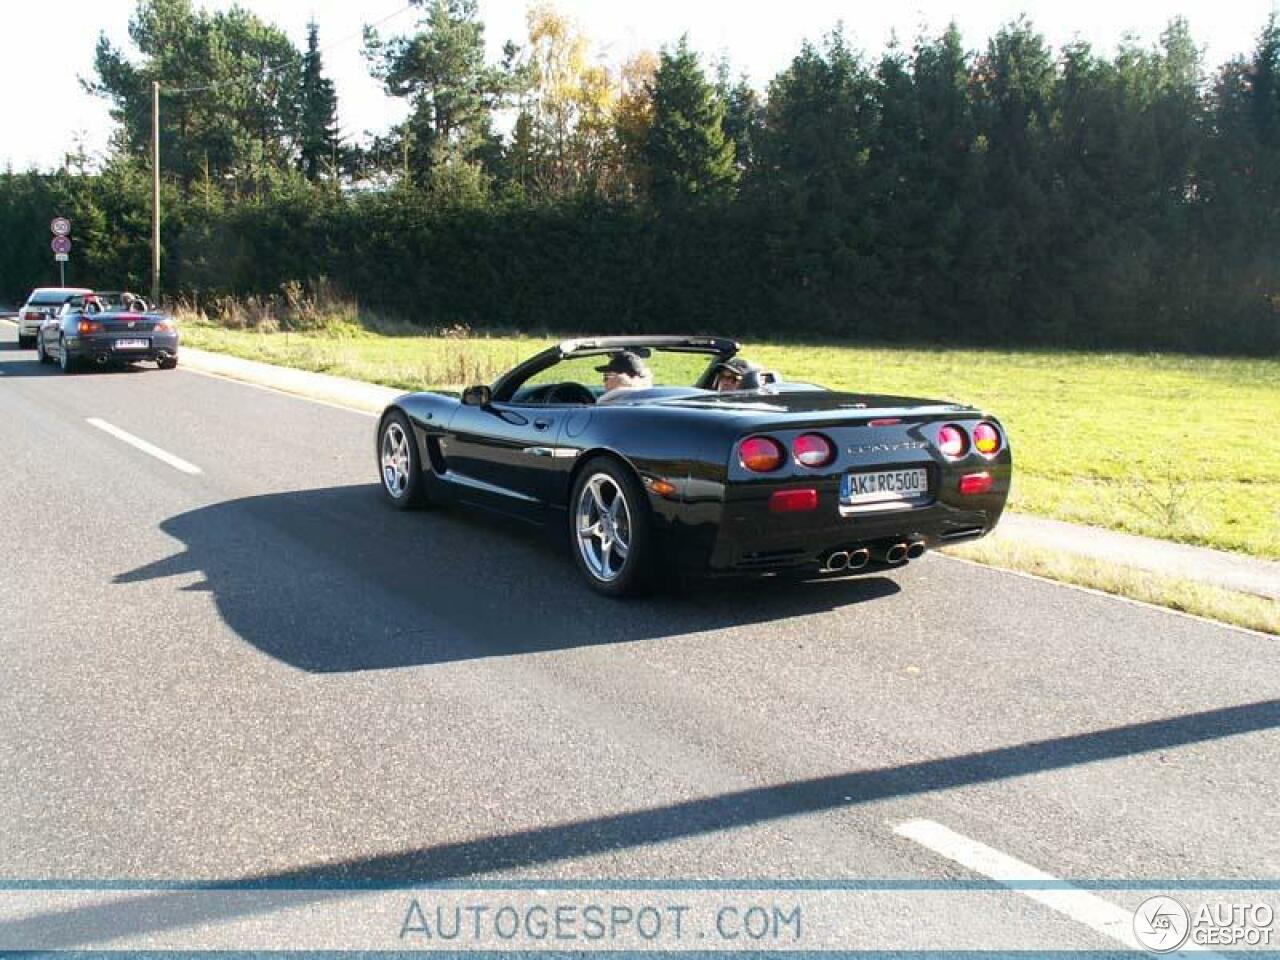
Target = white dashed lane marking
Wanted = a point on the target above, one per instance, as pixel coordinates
(138, 443)
(1086, 908)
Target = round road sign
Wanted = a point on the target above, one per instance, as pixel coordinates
(60, 226)
(61, 244)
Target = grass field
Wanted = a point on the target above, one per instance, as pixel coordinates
(1168, 446)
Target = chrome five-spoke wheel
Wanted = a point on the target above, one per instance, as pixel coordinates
(604, 527)
(397, 465)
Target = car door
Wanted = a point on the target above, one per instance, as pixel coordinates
(504, 455)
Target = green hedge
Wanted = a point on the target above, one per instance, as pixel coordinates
(743, 268)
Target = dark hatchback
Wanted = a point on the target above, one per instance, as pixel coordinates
(114, 335)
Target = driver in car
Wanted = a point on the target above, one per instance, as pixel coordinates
(624, 371)
(729, 375)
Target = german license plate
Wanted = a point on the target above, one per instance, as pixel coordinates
(131, 344)
(884, 486)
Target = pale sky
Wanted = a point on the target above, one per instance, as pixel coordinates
(47, 46)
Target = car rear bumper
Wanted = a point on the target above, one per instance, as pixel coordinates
(742, 548)
(102, 349)
(741, 535)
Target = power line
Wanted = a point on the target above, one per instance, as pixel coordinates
(325, 49)
(360, 33)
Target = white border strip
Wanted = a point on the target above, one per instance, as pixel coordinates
(162, 455)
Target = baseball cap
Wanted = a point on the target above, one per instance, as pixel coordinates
(624, 361)
(736, 366)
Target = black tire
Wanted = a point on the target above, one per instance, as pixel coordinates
(399, 466)
(169, 364)
(632, 524)
(24, 343)
(40, 354)
(66, 362)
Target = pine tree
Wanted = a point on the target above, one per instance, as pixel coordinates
(228, 85)
(686, 150)
(441, 71)
(318, 111)
(743, 115)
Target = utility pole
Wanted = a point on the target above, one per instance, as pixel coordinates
(155, 193)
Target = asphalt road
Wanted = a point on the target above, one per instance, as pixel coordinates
(257, 671)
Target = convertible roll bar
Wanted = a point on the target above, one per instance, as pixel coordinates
(591, 345)
(507, 384)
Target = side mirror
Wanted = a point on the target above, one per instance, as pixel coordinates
(477, 396)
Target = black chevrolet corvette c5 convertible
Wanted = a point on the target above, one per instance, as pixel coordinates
(772, 477)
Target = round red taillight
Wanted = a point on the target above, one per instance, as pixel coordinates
(952, 441)
(813, 450)
(986, 439)
(760, 454)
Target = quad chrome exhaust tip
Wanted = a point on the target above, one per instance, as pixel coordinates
(897, 553)
(915, 549)
(854, 559)
(837, 560)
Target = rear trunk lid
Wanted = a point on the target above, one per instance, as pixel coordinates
(793, 410)
(126, 323)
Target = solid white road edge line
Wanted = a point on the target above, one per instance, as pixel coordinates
(1221, 624)
(279, 392)
(1085, 908)
(164, 456)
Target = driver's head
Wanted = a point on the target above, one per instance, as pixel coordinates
(729, 375)
(625, 371)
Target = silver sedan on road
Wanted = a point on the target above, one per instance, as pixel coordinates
(43, 302)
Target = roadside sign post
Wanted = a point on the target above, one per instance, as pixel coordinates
(60, 227)
(155, 192)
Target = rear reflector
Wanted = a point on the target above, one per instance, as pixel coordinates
(793, 501)
(974, 483)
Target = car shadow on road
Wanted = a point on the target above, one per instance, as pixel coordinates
(333, 580)
(453, 862)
